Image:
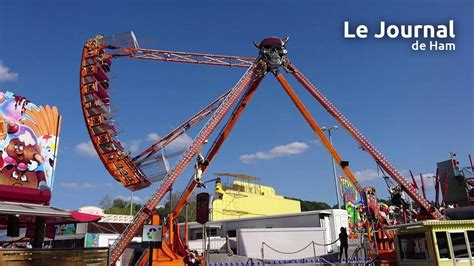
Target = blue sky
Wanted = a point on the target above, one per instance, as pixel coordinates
(415, 107)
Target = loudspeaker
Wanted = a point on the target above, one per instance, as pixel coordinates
(202, 208)
(13, 227)
(344, 164)
(38, 238)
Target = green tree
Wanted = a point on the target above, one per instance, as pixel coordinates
(121, 206)
(106, 202)
(176, 196)
(118, 206)
(307, 205)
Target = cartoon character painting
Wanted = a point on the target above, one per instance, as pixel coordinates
(28, 142)
(48, 144)
(351, 203)
(372, 203)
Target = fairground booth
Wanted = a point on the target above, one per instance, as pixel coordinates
(29, 136)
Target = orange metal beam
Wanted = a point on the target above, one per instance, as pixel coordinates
(224, 133)
(312, 123)
(181, 203)
(364, 142)
(253, 73)
(218, 143)
(233, 119)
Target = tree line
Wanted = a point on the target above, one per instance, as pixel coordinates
(122, 206)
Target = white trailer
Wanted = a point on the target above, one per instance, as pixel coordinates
(290, 231)
(277, 243)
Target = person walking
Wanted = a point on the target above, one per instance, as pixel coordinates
(344, 243)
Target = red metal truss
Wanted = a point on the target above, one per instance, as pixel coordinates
(217, 144)
(125, 238)
(184, 57)
(363, 142)
(181, 129)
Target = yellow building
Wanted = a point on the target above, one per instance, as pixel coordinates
(245, 199)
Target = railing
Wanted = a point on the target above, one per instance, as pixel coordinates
(82, 256)
(216, 245)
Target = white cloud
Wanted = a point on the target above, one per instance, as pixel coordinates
(6, 74)
(180, 143)
(428, 179)
(85, 149)
(371, 174)
(136, 199)
(74, 185)
(367, 174)
(153, 137)
(133, 145)
(278, 151)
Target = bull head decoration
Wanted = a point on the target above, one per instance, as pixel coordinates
(273, 51)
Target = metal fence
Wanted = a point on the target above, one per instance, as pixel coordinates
(70, 257)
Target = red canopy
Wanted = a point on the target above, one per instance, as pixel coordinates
(84, 217)
(24, 195)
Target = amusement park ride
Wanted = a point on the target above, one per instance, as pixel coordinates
(133, 172)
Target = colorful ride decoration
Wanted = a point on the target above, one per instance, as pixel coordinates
(352, 203)
(29, 136)
(348, 190)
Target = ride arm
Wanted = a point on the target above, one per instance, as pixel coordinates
(363, 142)
(253, 72)
(223, 134)
(181, 57)
(317, 129)
(181, 129)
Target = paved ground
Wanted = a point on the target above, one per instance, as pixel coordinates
(225, 260)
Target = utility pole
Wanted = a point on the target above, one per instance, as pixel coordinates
(336, 181)
(131, 205)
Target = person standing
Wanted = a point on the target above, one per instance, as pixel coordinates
(344, 243)
(200, 162)
(192, 259)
